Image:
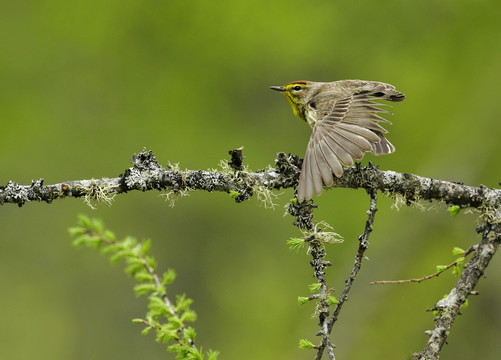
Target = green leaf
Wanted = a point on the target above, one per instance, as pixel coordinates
(84, 221)
(108, 249)
(305, 344)
(189, 316)
(151, 262)
(97, 225)
(77, 230)
(134, 265)
(293, 201)
(302, 300)
(315, 287)
(164, 335)
(441, 268)
(110, 235)
(453, 210)
(142, 289)
(182, 302)
(168, 277)
(145, 246)
(80, 241)
(93, 241)
(234, 194)
(457, 251)
(212, 355)
(332, 300)
(144, 276)
(176, 322)
(193, 353)
(174, 348)
(295, 243)
(116, 257)
(190, 333)
(157, 306)
(129, 242)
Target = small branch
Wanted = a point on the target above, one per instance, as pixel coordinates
(150, 324)
(449, 307)
(304, 220)
(427, 277)
(317, 250)
(362, 247)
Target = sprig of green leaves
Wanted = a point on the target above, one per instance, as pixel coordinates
(166, 317)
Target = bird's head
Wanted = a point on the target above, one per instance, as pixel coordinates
(297, 94)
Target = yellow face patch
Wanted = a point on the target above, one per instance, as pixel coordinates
(292, 91)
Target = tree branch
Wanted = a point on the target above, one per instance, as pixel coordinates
(146, 174)
(449, 307)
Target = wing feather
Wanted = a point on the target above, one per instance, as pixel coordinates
(360, 130)
(346, 146)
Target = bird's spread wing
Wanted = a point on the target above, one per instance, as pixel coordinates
(343, 133)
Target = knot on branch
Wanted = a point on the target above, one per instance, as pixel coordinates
(237, 159)
(145, 174)
(145, 160)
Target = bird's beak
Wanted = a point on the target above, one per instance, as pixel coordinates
(277, 88)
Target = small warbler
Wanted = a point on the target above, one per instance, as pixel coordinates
(345, 122)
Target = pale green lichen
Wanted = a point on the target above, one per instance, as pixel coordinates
(401, 200)
(319, 235)
(489, 214)
(97, 191)
(265, 196)
(173, 195)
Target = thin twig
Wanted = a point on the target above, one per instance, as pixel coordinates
(427, 277)
(362, 247)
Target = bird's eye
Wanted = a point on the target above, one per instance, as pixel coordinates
(297, 88)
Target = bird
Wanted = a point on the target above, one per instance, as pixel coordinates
(344, 118)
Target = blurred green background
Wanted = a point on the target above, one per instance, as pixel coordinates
(86, 84)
